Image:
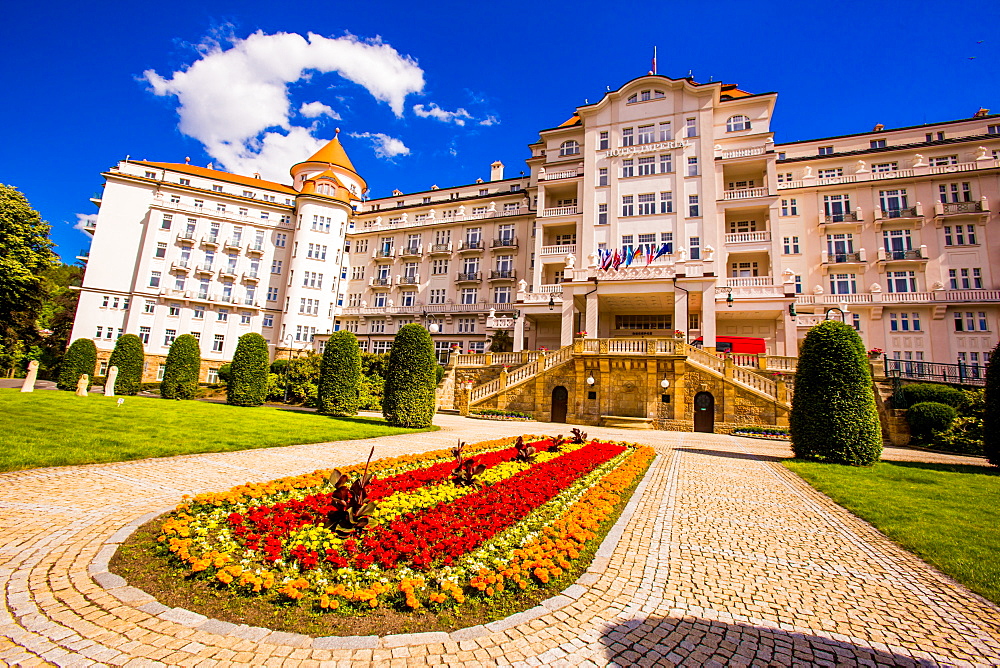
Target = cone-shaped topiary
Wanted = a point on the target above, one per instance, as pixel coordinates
(409, 379)
(129, 357)
(991, 413)
(834, 418)
(180, 377)
(248, 378)
(79, 359)
(340, 375)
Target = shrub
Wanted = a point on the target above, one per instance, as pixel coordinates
(991, 412)
(340, 376)
(129, 357)
(278, 366)
(918, 393)
(180, 377)
(301, 375)
(225, 372)
(80, 358)
(974, 405)
(409, 381)
(248, 385)
(929, 416)
(438, 374)
(965, 435)
(833, 415)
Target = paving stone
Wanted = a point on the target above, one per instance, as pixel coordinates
(346, 642)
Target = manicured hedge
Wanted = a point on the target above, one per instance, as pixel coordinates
(410, 379)
(248, 380)
(833, 417)
(80, 358)
(927, 417)
(918, 393)
(129, 357)
(180, 377)
(340, 375)
(991, 411)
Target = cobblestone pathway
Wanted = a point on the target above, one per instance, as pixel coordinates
(727, 559)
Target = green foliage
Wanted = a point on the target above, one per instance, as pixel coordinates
(918, 393)
(501, 342)
(180, 377)
(278, 366)
(226, 372)
(80, 358)
(340, 375)
(248, 383)
(496, 412)
(991, 413)
(409, 381)
(965, 435)
(929, 416)
(833, 415)
(974, 404)
(128, 356)
(374, 364)
(302, 379)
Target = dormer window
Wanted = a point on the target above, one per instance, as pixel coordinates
(569, 147)
(184, 182)
(737, 123)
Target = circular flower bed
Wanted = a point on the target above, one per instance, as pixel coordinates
(409, 532)
(762, 432)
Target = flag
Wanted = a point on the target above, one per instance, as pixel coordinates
(616, 261)
(626, 255)
(606, 261)
(664, 249)
(651, 254)
(654, 60)
(638, 253)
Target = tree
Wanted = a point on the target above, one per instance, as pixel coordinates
(340, 375)
(501, 342)
(25, 255)
(834, 418)
(409, 381)
(991, 410)
(180, 377)
(129, 357)
(248, 376)
(80, 358)
(55, 320)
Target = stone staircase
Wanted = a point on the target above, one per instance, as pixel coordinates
(509, 379)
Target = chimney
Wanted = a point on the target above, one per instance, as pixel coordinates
(878, 127)
(982, 113)
(496, 171)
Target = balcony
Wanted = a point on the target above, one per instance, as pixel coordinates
(743, 152)
(202, 296)
(748, 237)
(410, 280)
(181, 266)
(503, 275)
(895, 214)
(550, 288)
(227, 272)
(205, 269)
(210, 240)
(845, 217)
(555, 176)
(958, 209)
(470, 245)
(559, 251)
(506, 242)
(380, 282)
(251, 277)
(255, 249)
(234, 244)
(912, 256)
(439, 249)
(410, 251)
(859, 257)
(744, 193)
(84, 255)
(185, 237)
(469, 277)
(383, 253)
(559, 211)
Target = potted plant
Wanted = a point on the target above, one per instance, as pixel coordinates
(875, 353)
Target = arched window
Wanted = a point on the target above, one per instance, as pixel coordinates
(736, 123)
(633, 98)
(658, 95)
(569, 147)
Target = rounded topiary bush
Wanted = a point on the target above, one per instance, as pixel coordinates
(129, 357)
(929, 416)
(410, 379)
(79, 359)
(918, 393)
(248, 378)
(833, 417)
(225, 372)
(180, 377)
(991, 410)
(340, 376)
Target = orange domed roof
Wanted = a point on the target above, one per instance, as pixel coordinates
(333, 153)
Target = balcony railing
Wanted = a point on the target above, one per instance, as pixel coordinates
(385, 252)
(743, 152)
(205, 268)
(747, 237)
(255, 248)
(559, 250)
(409, 280)
(440, 248)
(469, 276)
(904, 255)
(838, 258)
(553, 176)
(381, 282)
(909, 212)
(846, 217)
(956, 374)
(947, 209)
(210, 240)
(410, 250)
(559, 211)
(227, 271)
(251, 276)
(470, 244)
(744, 193)
(550, 288)
(500, 274)
(506, 242)
(185, 236)
(235, 243)
(181, 265)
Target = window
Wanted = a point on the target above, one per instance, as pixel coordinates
(321, 223)
(832, 173)
(628, 206)
(602, 214)
(798, 284)
(628, 138)
(218, 342)
(176, 199)
(902, 281)
(691, 127)
(568, 147)
(199, 313)
(646, 134)
(737, 123)
(161, 250)
(184, 182)
(169, 336)
(647, 204)
(604, 142)
(665, 133)
(692, 164)
(695, 245)
(879, 167)
(439, 267)
(154, 279)
(149, 307)
(173, 310)
(877, 143)
(223, 315)
(276, 267)
(627, 168)
(953, 193)
(627, 240)
(837, 208)
(897, 243)
(826, 150)
(990, 129)
(960, 235)
(904, 322)
(280, 240)
(784, 177)
(944, 160)
(602, 176)
(466, 326)
(693, 206)
(666, 202)
(501, 295)
(791, 245)
(893, 202)
(437, 296)
(150, 175)
(840, 247)
(789, 207)
(843, 284)
(470, 295)
(966, 278)
(244, 318)
(647, 238)
(144, 334)
(100, 332)
(166, 222)
(970, 321)
(647, 166)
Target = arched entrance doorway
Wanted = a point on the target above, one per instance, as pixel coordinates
(560, 400)
(704, 412)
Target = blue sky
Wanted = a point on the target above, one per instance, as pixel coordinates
(448, 88)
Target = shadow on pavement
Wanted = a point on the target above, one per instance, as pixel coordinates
(733, 455)
(691, 641)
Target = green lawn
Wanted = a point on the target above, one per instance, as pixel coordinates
(47, 428)
(949, 515)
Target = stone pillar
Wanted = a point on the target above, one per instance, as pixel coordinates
(462, 399)
(566, 327)
(791, 342)
(708, 324)
(519, 333)
(109, 382)
(681, 311)
(591, 325)
(728, 393)
(29, 381)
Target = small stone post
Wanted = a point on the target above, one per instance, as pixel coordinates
(109, 382)
(29, 381)
(81, 385)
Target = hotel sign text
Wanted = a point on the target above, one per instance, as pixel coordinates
(646, 148)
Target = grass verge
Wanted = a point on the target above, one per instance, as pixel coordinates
(947, 514)
(146, 564)
(60, 429)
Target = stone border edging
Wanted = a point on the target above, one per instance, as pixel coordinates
(118, 587)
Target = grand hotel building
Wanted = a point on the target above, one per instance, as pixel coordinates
(738, 236)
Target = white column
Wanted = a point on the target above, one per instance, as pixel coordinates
(681, 311)
(519, 333)
(591, 325)
(566, 328)
(708, 327)
(791, 342)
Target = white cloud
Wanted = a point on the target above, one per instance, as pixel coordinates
(83, 219)
(317, 109)
(490, 120)
(385, 146)
(458, 117)
(235, 100)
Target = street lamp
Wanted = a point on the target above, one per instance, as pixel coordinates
(664, 383)
(843, 316)
(729, 298)
(288, 344)
(591, 381)
(552, 302)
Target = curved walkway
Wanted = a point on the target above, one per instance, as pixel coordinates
(728, 559)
